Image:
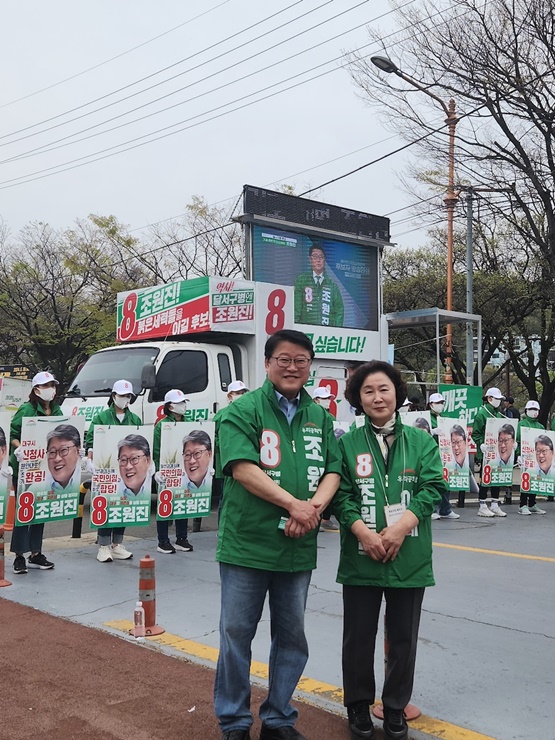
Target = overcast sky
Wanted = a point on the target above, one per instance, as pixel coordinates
(62, 55)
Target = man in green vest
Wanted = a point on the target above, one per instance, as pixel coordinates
(282, 465)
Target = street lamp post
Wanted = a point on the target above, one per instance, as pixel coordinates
(386, 65)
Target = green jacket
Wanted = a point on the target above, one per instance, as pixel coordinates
(319, 305)
(484, 413)
(296, 457)
(415, 477)
(108, 417)
(25, 410)
(157, 436)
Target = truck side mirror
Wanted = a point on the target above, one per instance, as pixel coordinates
(148, 376)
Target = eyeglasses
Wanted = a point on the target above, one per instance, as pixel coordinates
(196, 455)
(300, 362)
(505, 440)
(133, 460)
(61, 451)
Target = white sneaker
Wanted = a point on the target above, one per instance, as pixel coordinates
(104, 555)
(536, 510)
(524, 510)
(450, 515)
(484, 511)
(435, 515)
(120, 553)
(497, 511)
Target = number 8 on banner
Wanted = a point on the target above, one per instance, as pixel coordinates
(275, 318)
(26, 507)
(99, 513)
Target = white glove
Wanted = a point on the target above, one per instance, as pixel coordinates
(18, 452)
(82, 452)
(159, 478)
(7, 472)
(435, 431)
(484, 448)
(90, 466)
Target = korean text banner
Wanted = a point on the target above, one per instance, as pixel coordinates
(5, 418)
(50, 472)
(336, 282)
(122, 482)
(499, 457)
(537, 461)
(453, 448)
(186, 469)
(462, 402)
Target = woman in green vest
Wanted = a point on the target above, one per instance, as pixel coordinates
(528, 503)
(390, 483)
(28, 538)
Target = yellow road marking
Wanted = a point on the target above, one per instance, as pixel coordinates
(495, 552)
(435, 727)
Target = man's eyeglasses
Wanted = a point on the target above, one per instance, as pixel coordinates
(133, 460)
(194, 455)
(300, 362)
(61, 451)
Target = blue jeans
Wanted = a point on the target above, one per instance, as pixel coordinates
(110, 536)
(243, 594)
(162, 530)
(27, 538)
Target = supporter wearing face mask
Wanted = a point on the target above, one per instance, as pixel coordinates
(436, 405)
(110, 539)
(29, 538)
(528, 503)
(490, 410)
(175, 406)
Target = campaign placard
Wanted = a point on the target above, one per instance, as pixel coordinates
(50, 472)
(462, 402)
(499, 457)
(537, 461)
(5, 418)
(121, 486)
(186, 470)
(420, 419)
(453, 449)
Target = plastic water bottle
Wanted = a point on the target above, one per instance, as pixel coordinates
(139, 621)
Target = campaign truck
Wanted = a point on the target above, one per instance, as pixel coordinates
(199, 335)
(312, 266)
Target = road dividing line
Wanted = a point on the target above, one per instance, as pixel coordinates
(495, 552)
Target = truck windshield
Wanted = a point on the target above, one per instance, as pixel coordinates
(100, 372)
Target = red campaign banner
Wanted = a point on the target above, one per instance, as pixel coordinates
(186, 318)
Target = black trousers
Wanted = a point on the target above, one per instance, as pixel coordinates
(361, 611)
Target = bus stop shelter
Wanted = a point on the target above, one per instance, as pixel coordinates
(439, 317)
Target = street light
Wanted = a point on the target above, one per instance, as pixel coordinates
(386, 65)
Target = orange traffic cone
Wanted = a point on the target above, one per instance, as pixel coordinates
(147, 594)
(10, 513)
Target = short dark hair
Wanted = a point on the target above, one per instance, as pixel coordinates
(200, 437)
(64, 431)
(316, 246)
(136, 441)
(287, 335)
(510, 400)
(458, 430)
(422, 423)
(544, 440)
(354, 384)
(508, 429)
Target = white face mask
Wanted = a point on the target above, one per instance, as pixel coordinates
(122, 402)
(325, 402)
(495, 402)
(532, 413)
(47, 394)
(404, 410)
(179, 408)
(437, 408)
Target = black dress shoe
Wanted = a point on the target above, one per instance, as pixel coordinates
(360, 722)
(236, 735)
(288, 732)
(394, 723)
